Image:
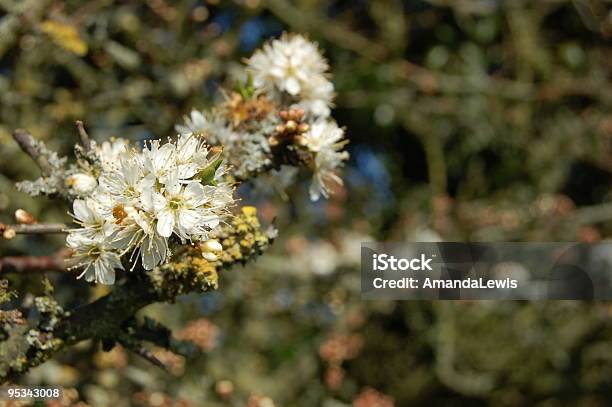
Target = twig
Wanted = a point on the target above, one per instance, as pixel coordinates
(134, 346)
(35, 229)
(23, 264)
(83, 136)
(154, 332)
(26, 142)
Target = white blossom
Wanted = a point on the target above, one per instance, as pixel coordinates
(98, 259)
(92, 218)
(195, 123)
(294, 66)
(110, 152)
(326, 140)
(143, 199)
(179, 207)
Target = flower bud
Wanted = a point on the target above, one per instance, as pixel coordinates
(9, 234)
(209, 256)
(216, 150)
(23, 217)
(301, 140)
(297, 114)
(291, 125)
(81, 183)
(213, 246)
(273, 141)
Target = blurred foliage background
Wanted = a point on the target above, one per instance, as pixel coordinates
(483, 120)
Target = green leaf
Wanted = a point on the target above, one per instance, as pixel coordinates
(208, 174)
(246, 90)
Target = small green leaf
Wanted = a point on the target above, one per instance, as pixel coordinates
(246, 90)
(208, 174)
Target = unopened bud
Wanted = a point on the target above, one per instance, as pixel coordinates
(9, 234)
(273, 141)
(23, 217)
(213, 246)
(283, 114)
(81, 183)
(300, 140)
(303, 128)
(280, 128)
(209, 256)
(291, 125)
(298, 114)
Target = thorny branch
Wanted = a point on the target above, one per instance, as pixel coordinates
(129, 343)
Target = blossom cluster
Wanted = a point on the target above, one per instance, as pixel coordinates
(256, 126)
(141, 199)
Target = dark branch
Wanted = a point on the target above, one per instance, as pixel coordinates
(137, 348)
(117, 307)
(154, 332)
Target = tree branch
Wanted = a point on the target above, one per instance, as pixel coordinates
(137, 348)
(35, 229)
(154, 332)
(27, 144)
(23, 264)
(83, 136)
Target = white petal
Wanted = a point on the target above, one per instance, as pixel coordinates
(159, 202)
(105, 273)
(163, 158)
(172, 184)
(210, 222)
(165, 223)
(194, 194)
(81, 210)
(153, 251)
(292, 86)
(188, 219)
(146, 199)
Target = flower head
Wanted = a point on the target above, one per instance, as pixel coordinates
(96, 257)
(144, 199)
(294, 66)
(195, 123)
(111, 151)
(325, 140)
